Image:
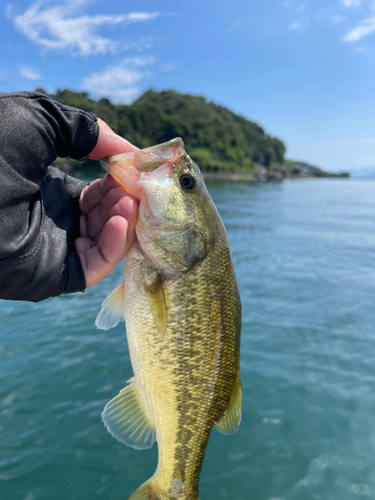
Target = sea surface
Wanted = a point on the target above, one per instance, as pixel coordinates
(304, 253)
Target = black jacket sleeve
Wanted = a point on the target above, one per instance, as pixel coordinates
(39, 205)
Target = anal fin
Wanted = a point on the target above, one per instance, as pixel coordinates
(127, 421)
(112, 311)
(231, 420)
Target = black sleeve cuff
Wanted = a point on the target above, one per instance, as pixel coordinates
(39, 205)
(46, 264)
(74, 189)
(75, 277)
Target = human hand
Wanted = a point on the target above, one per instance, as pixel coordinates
(109, 214)
(109, 143)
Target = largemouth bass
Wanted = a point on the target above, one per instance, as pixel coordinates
(182, 312)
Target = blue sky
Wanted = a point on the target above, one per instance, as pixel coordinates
(303, 69)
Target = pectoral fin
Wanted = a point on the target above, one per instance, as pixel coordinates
(231, 420)
(127, 421)
(156, 299)
(112, 311)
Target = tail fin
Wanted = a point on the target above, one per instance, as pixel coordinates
(149, 491)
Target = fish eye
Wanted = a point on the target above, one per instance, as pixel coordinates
(187, 182)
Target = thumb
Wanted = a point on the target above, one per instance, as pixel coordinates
(109, 143)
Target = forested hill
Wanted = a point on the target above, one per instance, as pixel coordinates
(216, 138)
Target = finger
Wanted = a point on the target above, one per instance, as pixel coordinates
(101, 213)
(109, 143)
(90, 197)
(95, 222)
(108, 183)
(127, 207)
(115, 202)
(101, 259)
(83, 226)
(83, 244)
(110, 199)
(93, 193)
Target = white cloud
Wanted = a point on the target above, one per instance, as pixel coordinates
(169, 66)
(297, 27)
(351, 3)
(118, 82)
(364, 29)
(29, 73)
(327, 16)
(336, 18)
(61, 28)
(145, 43)
(294, 26)
(300, 7)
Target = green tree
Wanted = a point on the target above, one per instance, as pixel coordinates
(215, 137)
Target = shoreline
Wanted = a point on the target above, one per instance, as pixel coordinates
(271, 176)
(226, 176)
(223, 176)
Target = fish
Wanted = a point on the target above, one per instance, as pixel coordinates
(182, 312)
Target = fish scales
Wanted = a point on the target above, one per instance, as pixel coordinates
(187, 376)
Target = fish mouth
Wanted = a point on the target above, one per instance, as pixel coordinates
(129, 169)
(149, 159)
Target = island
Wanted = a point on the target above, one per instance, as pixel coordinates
(224, 144)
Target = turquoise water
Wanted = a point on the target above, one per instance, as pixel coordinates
(304, 253)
